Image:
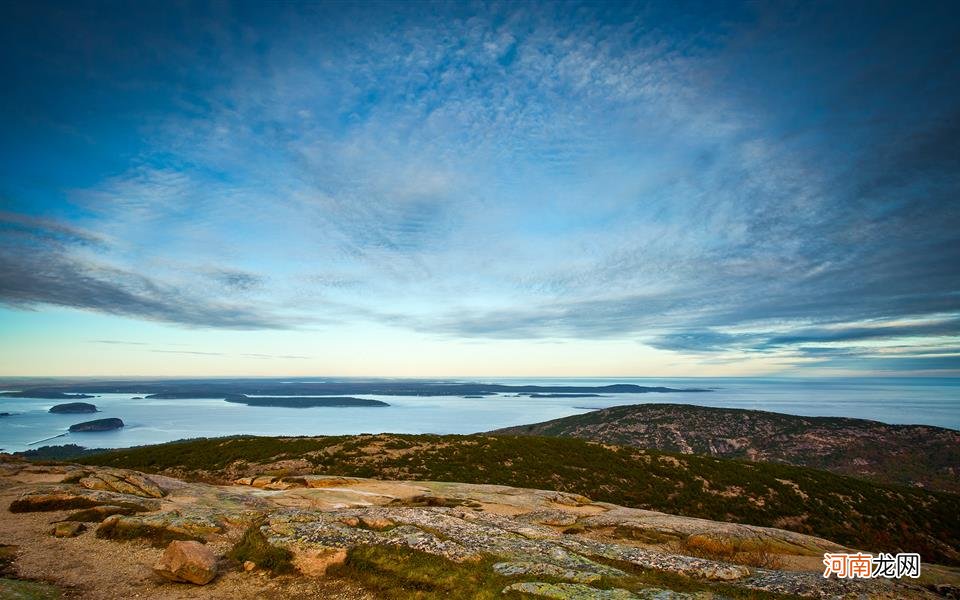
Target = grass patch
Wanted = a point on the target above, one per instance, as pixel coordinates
(253, 546)
(751, 553)
(398, 573)
(16, 589)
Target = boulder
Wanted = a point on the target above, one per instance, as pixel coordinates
(67, 529)
(187, 561)
(375, 522)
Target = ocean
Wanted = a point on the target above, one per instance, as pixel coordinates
(929, 401)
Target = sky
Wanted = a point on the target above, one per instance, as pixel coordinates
(480, 189)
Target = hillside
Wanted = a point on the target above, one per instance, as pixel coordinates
(846, 510)
(915, 455)
(95, 532)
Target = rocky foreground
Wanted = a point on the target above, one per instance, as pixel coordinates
(99, 532)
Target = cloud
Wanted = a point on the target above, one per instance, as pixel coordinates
(768, 182)
(38, 267)
(239, 281)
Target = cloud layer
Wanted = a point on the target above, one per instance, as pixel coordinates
(772, 180)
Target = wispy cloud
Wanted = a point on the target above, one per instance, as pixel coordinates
(34, 270)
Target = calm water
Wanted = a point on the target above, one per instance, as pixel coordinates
(914, 400)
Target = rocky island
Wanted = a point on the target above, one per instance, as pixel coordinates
(97, 425)
(73, 408)
(303, 401)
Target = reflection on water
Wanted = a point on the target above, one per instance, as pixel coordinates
(901, 400)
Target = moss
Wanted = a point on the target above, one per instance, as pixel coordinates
(253, 546)
(114, 529)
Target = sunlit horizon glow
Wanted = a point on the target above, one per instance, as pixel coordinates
(480, 190)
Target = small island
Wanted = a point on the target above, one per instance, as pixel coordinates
(97, 425)
(74, 408)
(303, 402)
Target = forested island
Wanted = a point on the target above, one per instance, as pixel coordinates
(73, 408)
(97, 425)
(303, 402)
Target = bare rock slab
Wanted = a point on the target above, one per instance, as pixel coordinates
(190, 562)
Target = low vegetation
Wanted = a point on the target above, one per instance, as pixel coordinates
(397, 573)
(751, 553)
(847, 510)
(254, 547)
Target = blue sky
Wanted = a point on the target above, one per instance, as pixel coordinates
(469, 189)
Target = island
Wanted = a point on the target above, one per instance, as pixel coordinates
(74, 408)
(97, 425)
(563, 395)
(303, 402)
(185, 396)
(45, 395)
